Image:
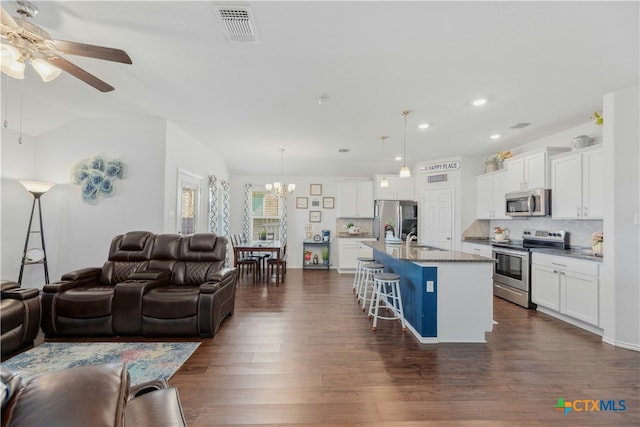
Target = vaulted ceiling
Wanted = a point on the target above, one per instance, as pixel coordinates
(544, 63)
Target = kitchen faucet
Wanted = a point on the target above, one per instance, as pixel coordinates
(410, 237)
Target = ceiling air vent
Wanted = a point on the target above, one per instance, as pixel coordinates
(343, 150)
(519, 125)
(238, 23)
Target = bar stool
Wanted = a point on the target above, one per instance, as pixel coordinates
(386, 289)
(359, 277)
(368, 270)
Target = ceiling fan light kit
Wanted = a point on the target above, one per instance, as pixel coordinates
(23, 41)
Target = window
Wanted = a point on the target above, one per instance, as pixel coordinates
(187, 220)
(266, 214)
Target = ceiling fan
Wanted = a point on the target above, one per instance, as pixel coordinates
(24, 41)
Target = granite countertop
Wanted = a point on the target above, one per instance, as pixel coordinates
(574, 252)
(420, 253)
(578, 252)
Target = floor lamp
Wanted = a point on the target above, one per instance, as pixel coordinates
(37, 189)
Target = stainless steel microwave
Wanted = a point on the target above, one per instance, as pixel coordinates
(528, 203)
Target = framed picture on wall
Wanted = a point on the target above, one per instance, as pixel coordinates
(302, 203)
(315, 203)
(315, 189)
(315, 216)
(328, 202)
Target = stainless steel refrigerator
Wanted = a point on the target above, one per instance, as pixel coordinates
(399, 216)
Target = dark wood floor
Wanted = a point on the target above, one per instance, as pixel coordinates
(303, 354)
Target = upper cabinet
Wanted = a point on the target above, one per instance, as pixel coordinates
(398, 189)
(577, 184)
(490, 191)
(355, 199)
(530, 170)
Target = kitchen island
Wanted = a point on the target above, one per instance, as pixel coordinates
(447, 296)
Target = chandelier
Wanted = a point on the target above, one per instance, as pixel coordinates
(404, 170)
(279, 188)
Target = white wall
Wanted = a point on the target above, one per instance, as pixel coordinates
(185, 152)
(620, 276)
(296, 218)
(16, 163)
(77, 234)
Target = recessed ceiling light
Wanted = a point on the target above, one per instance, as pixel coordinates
(423, 125)
(495, 136)
(398, 158)
(479, 102)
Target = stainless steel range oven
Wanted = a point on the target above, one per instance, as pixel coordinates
(511, 275)
(512, 270)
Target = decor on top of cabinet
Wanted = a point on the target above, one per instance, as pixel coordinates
(581, 141)
(96, 177)
(596, 243)
(503, 155)
(490, 165)
(494, 163)
(599, 118)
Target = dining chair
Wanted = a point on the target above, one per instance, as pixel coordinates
(244, 261)
(280, 265)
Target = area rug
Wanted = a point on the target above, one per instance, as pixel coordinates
(146, 361)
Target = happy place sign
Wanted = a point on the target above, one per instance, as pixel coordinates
(440, 167)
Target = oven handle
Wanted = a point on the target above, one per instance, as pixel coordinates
(522, 254)
(530, 202)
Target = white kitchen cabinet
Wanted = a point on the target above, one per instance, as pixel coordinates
(349, 249)
(577, 185)
(545, 288)
(567, 286)
(398, 189)
(477, 249)
(490, 191)
(355, 199)
(530, 170)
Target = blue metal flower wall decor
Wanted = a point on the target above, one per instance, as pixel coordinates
(96, 177)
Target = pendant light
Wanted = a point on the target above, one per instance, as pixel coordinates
(404, 170)
(384, 182)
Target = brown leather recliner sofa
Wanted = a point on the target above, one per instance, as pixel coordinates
(151, 285)
(19, 317)
(94, 395)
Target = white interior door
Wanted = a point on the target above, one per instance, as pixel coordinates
(437, 218)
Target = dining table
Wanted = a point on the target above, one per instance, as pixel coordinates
(272, 247)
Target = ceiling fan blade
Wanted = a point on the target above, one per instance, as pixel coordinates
(78, 72)
(7, 19)
(92, 51)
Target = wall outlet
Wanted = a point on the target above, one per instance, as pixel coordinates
(429, 285)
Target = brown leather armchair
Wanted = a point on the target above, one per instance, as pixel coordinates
(93, 395)
(82, 302)
(19, 317)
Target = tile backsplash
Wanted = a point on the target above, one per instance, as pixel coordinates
(365, 224)
(579, 231)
